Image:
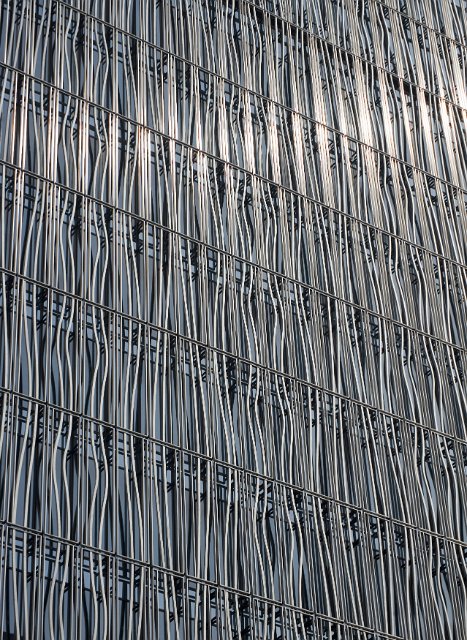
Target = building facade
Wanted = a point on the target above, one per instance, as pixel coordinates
(232, 319)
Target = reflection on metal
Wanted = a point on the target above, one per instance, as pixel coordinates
(232, 319)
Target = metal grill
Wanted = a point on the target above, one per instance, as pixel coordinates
(232, 319)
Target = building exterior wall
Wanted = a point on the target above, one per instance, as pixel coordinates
(232, 319)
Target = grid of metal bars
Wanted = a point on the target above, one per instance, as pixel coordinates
(232, 332)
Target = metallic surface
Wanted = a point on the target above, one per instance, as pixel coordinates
(232, 319)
